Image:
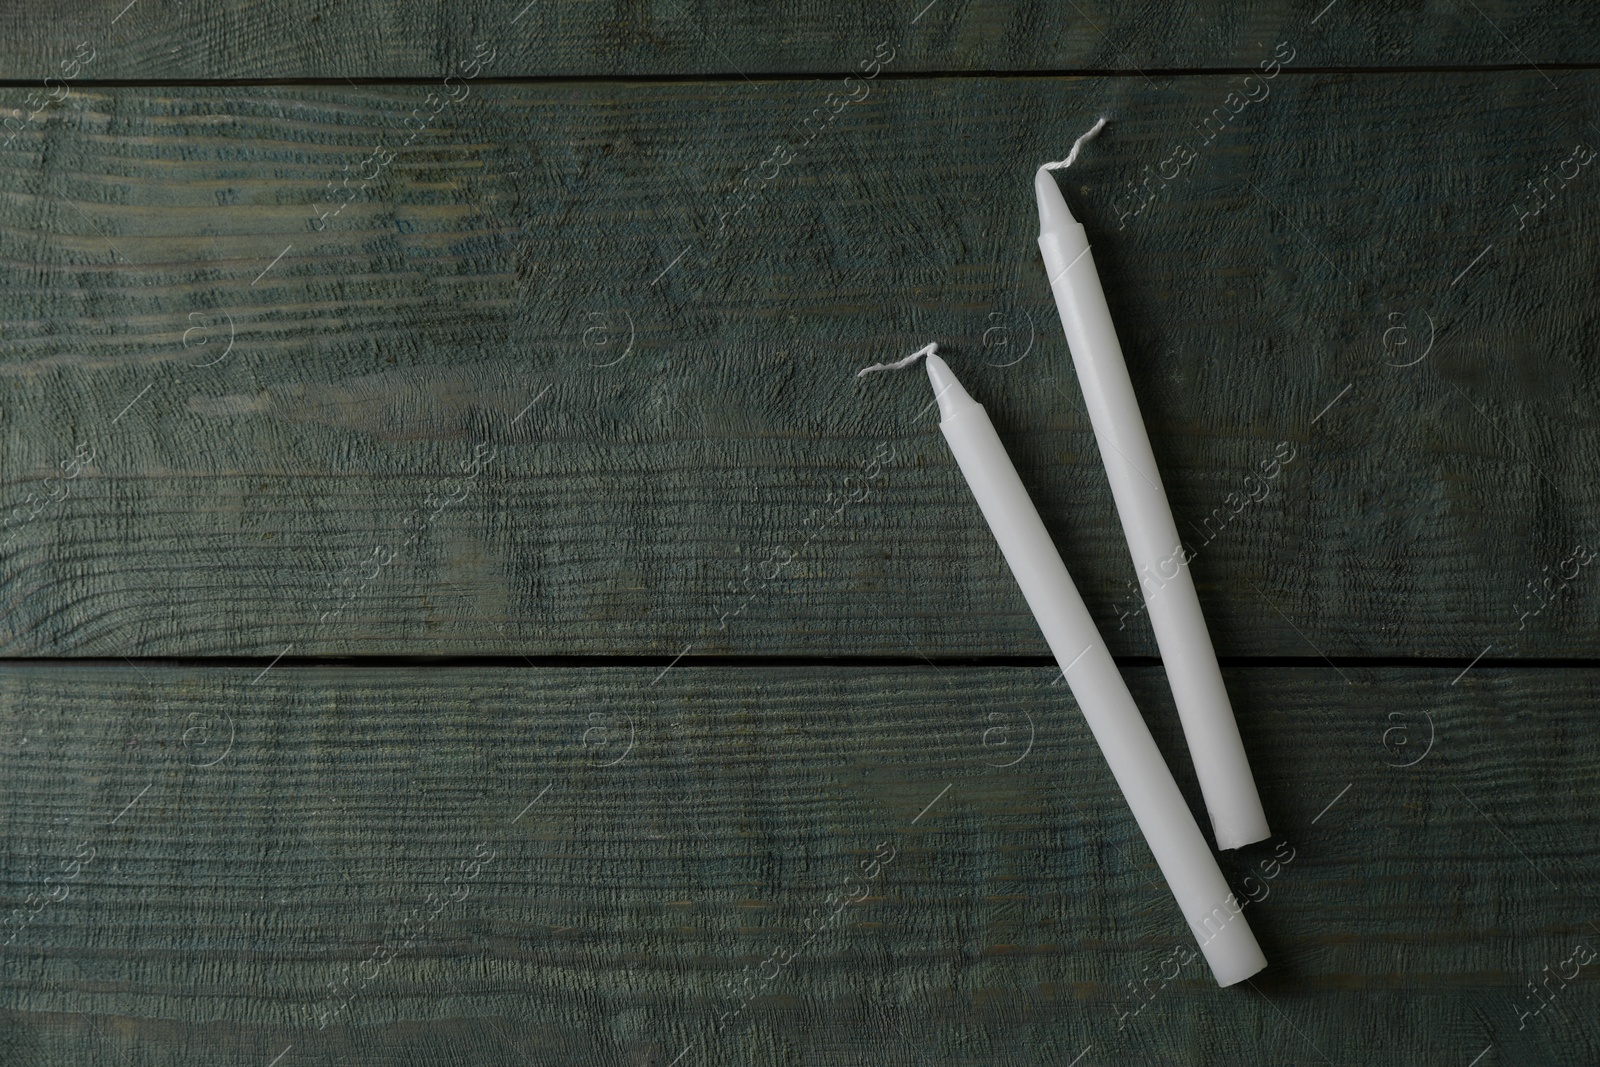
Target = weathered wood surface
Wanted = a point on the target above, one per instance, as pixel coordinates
(370, 38)
(694, 413)
(246, 845)
(556, 382)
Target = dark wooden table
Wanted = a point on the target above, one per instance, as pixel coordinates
(461, 607)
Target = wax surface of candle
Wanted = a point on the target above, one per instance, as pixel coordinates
(1162, 566)
(1191, 871)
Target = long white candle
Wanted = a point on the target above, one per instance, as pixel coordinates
(1209, 726)
(1210, 909)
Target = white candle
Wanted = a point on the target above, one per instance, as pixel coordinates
(1186, 861)
(1159, 559)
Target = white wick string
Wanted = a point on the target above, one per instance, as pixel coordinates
(1076, 146)
(901, 364)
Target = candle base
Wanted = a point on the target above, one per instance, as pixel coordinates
(1238, 835)
(1228, 943)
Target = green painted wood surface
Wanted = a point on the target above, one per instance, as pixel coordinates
(365, 38)
(643, 838)
(695, 420)
(554, 382)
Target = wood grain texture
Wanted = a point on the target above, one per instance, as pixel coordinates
(680, 479)
(367, 38)
(644, 839)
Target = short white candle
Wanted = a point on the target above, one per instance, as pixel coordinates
(1210, 909)
(1190, 660)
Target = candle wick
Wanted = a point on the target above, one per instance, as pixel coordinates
(901, 364)
(1076, 147)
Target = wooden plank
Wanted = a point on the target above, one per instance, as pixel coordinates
(253, 854)
(542, 387)
(366, 38)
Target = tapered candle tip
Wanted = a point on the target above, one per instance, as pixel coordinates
(947, 389)
(1053, 213)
